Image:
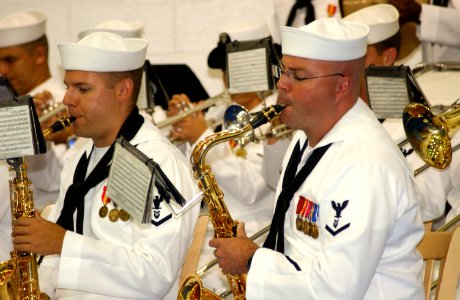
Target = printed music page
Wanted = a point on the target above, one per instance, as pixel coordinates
(142, 102)
(129, 184)
(387, 96)
(16, 138)
(247, 71)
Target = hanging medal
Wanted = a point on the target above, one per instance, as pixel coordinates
(104, 211)
(306, 222)
(124, 215)
(300, 207)
(114, 213)
(315, 215)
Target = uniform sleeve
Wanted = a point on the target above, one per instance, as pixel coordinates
(439, 25)
(341, 263)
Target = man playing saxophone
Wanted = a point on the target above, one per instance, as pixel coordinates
(346, 222)
(93, 251)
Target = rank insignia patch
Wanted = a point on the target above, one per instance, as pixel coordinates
(307, 215)
(160, 213)
(336, 227)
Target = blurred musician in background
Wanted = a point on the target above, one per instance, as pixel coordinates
(24, 61)
(353, 225)
(93, 252)
(437, 27)
(237, 169)
(434, 187)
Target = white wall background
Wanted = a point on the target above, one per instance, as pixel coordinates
(178, 31)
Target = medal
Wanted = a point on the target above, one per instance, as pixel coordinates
(103, 211)
(124, 216)
(315, 232)
(306, 227)
(300, 207)
(298, 223)
(314, 218)
(114, 215)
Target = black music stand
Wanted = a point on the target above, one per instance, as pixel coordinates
(170, 79)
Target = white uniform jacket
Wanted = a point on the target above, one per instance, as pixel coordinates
(368, 221)
(439, 26)
(124, 259)
(6, 244)
(44, 170)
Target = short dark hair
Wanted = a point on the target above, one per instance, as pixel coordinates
(31, 46)
(135, 75)
(393, 41)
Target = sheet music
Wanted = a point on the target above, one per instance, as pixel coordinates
(247, 71)
(15, 132)
(388, 96)
(142, 102)
(129, 184)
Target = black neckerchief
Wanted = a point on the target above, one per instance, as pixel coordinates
(291, 183)
(75, 195)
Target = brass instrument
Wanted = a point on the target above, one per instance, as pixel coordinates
(52, 111)
(224, 225)
(429, 134)
(222, 97)
(19, 275)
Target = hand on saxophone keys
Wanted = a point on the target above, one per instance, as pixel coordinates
(37, 235)
(234, 253)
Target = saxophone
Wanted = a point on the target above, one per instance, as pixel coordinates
(19, 275)
(224, 225)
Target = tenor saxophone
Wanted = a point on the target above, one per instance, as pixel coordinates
(224, 225)
(19, 275)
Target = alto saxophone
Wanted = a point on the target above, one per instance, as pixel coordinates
(19, 275)
(224, 225)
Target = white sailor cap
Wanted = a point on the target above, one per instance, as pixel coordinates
(120, 27)
(326, 39)
(21, 27)
(247, 31)
(103, 52)
(382, 20)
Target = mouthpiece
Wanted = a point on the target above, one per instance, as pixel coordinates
(59, 125)
(266, 115)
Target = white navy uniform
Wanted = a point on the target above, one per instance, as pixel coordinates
(6, 244)
(44, 170)
(124, 260)
(369, 223)
(439, 26)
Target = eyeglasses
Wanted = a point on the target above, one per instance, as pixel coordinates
(278, 72)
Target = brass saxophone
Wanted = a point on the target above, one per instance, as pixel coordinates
(224, 225)
(19, 275)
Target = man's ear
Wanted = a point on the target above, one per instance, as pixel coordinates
(389, 56)
(40, 55)
(124, 89)
(343, 87)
